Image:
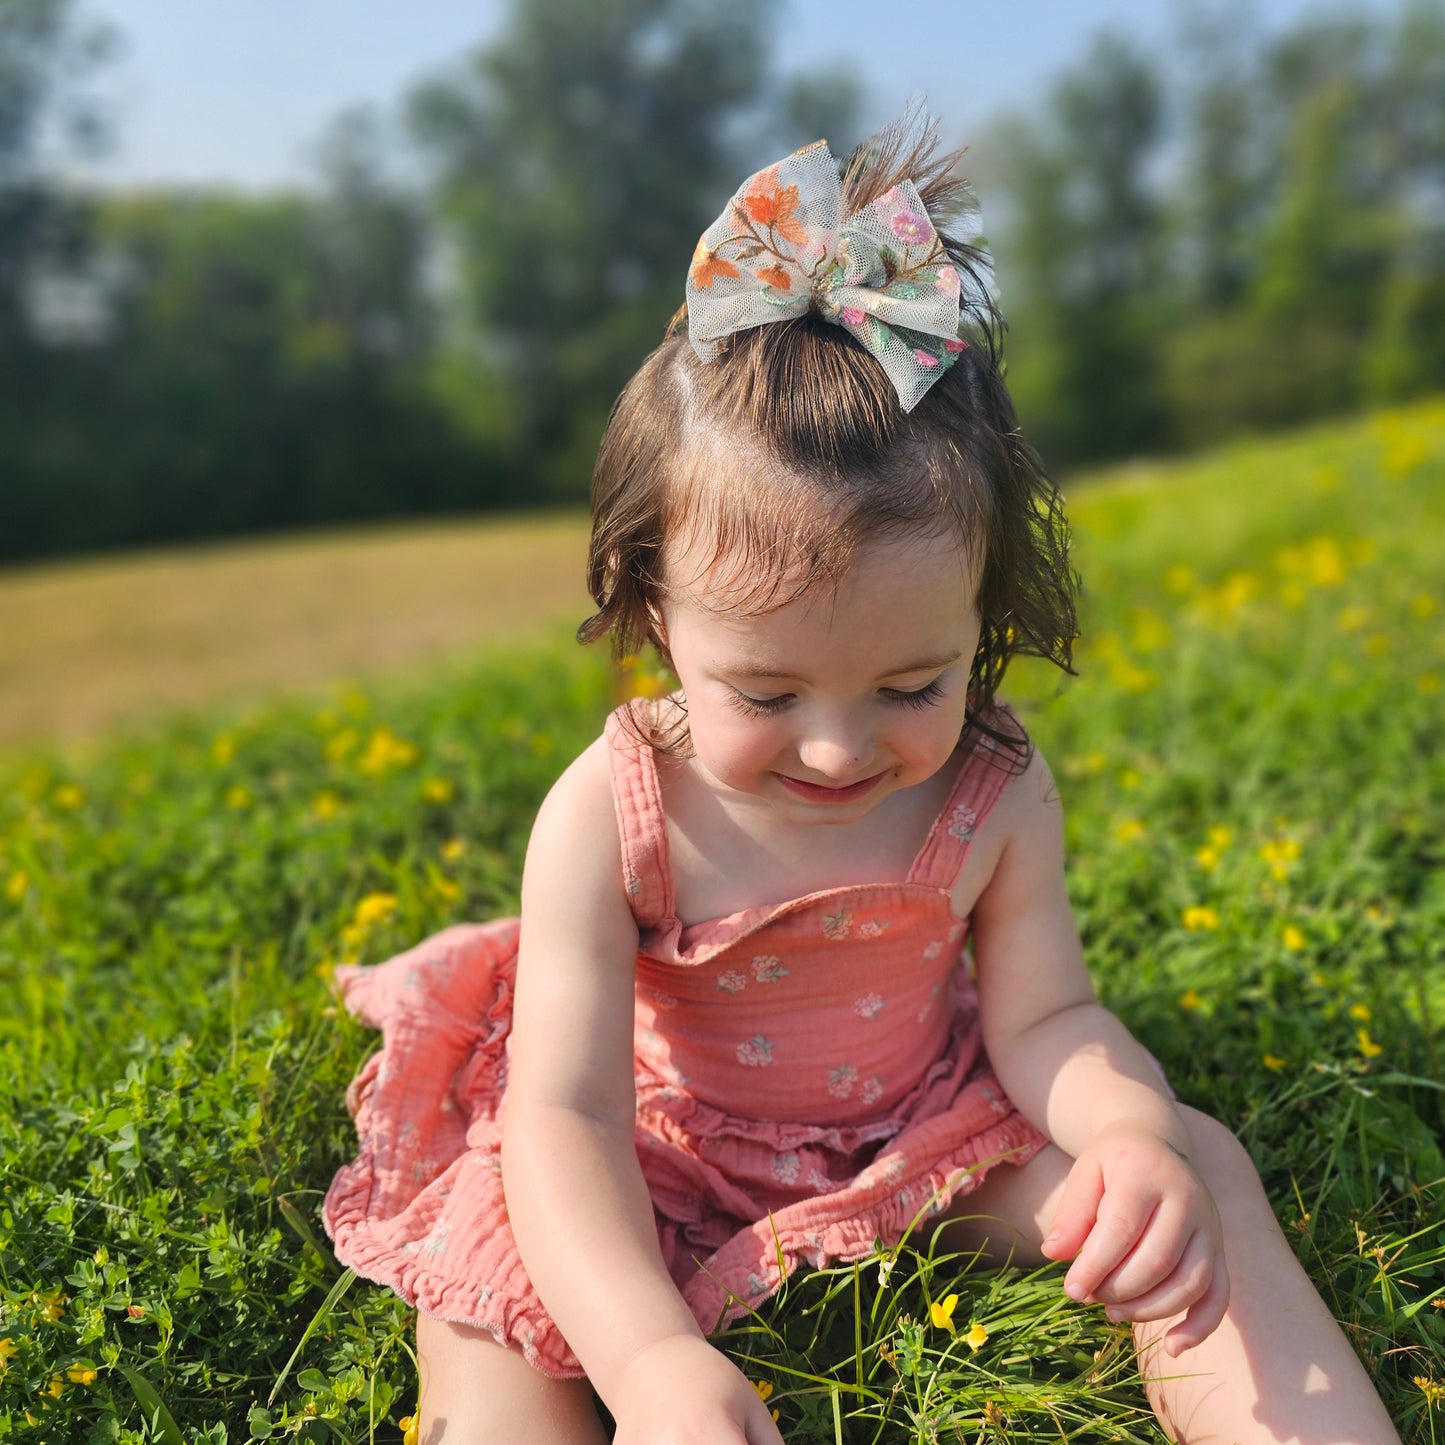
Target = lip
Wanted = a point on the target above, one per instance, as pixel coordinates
(820, 793)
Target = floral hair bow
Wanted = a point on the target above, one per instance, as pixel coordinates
(783, 247)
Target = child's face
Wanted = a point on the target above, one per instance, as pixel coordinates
(834, 701)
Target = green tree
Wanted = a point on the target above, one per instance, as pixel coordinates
(577, 158)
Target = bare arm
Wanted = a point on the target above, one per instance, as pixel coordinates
(1136, 1217)
(578, 1204)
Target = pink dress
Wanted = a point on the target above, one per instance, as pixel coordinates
(810, 1077)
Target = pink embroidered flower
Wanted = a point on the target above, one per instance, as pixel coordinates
(768, 969)
(852, 316)
(961, 822)
(872, 1090)
(952, 343)
(947, 281)
(923, 358)
(911, 228)
(837, 925)
(785, 1168)
(841, 1080)
(873, 928)
(869, 1006)
(731, 981)
(756, 1051)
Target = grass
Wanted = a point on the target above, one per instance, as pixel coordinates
(1254, 773)
(86, 648)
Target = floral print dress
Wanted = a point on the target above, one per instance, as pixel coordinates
(810, 1077)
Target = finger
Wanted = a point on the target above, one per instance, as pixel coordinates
(1185, 1284)
(1123, 1217)
(1204, 1314)
(1075, 1214)
(1156, 1255)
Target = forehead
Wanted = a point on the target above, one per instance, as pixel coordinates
(892, 592)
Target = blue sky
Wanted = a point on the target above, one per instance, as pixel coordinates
(238, 91)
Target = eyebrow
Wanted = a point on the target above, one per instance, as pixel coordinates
(933, 663)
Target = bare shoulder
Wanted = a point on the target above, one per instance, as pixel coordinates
(576, 829)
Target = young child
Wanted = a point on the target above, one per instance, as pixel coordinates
(737, 1022)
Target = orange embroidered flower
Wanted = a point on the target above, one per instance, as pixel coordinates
(707, 266)
(775, 276)
(775, 206)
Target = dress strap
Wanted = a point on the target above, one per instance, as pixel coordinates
(641, 825)
(980, 783)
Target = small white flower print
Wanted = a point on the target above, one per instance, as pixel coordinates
(872, 1090)
(756, 1283)
(955, 931)
(785, 1168)
(437, 1244)
(820, 1182)
(731, 981)
(634, 883)
(756, 1051)
(484, 1294)
(873, 928)
(768, 969)
(869, 1006)
(933, 950)
(837, 925)
(927, 1008)
(655, 996)
(841, 1080)
(894, 1166)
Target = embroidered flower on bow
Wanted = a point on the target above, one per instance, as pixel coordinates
(707, 266)
(774, 206)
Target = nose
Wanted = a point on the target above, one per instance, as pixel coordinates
(835, 748)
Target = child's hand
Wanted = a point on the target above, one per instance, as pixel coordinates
(682, 1391)
(1146, 1234)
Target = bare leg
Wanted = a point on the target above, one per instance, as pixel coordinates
(1278, 1369)
(473, 1392)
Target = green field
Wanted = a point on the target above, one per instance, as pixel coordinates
(1253, 763)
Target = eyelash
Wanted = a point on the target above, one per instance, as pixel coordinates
(766, 707)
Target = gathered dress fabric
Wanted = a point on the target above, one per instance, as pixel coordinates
(810, 1078)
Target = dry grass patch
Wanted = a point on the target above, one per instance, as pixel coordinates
(87, 646)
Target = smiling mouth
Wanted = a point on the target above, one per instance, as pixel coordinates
(820, 793)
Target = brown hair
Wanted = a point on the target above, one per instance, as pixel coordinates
(790, 451)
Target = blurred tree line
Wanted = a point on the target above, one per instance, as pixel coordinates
(1240, 235)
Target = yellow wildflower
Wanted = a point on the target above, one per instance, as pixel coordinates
(1085, 765)
(446, 889)
(1294, 938)
(1360, 1012)
(438, 790)
(325, 804)
(52, 1305)
(1325, 562)
(17, 885)
(1190, 999)
(1200, 917)
(453, 849)
(1433, 1390)
(339, 745)
(941, 1313)
(1207, 858)
(385, 751)
(764, 1388)
(1130, 830)
(409, 1426)
(55, 1387)
(1423, 605)
(374, 908)
(1281, 854)
(1220, 836)
(1131, 778)
(8, 1351)
(223, 750)
(68, 796)
(81, 1374)
(238, 798)
(976, 1338)
(1369, 1049)
(1274, 1063)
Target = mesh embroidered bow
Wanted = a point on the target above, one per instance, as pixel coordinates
(783, 246)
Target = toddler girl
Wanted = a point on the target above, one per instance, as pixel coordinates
(738, 1030)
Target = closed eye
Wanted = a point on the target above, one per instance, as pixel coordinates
(919, 698)
(758, 706)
